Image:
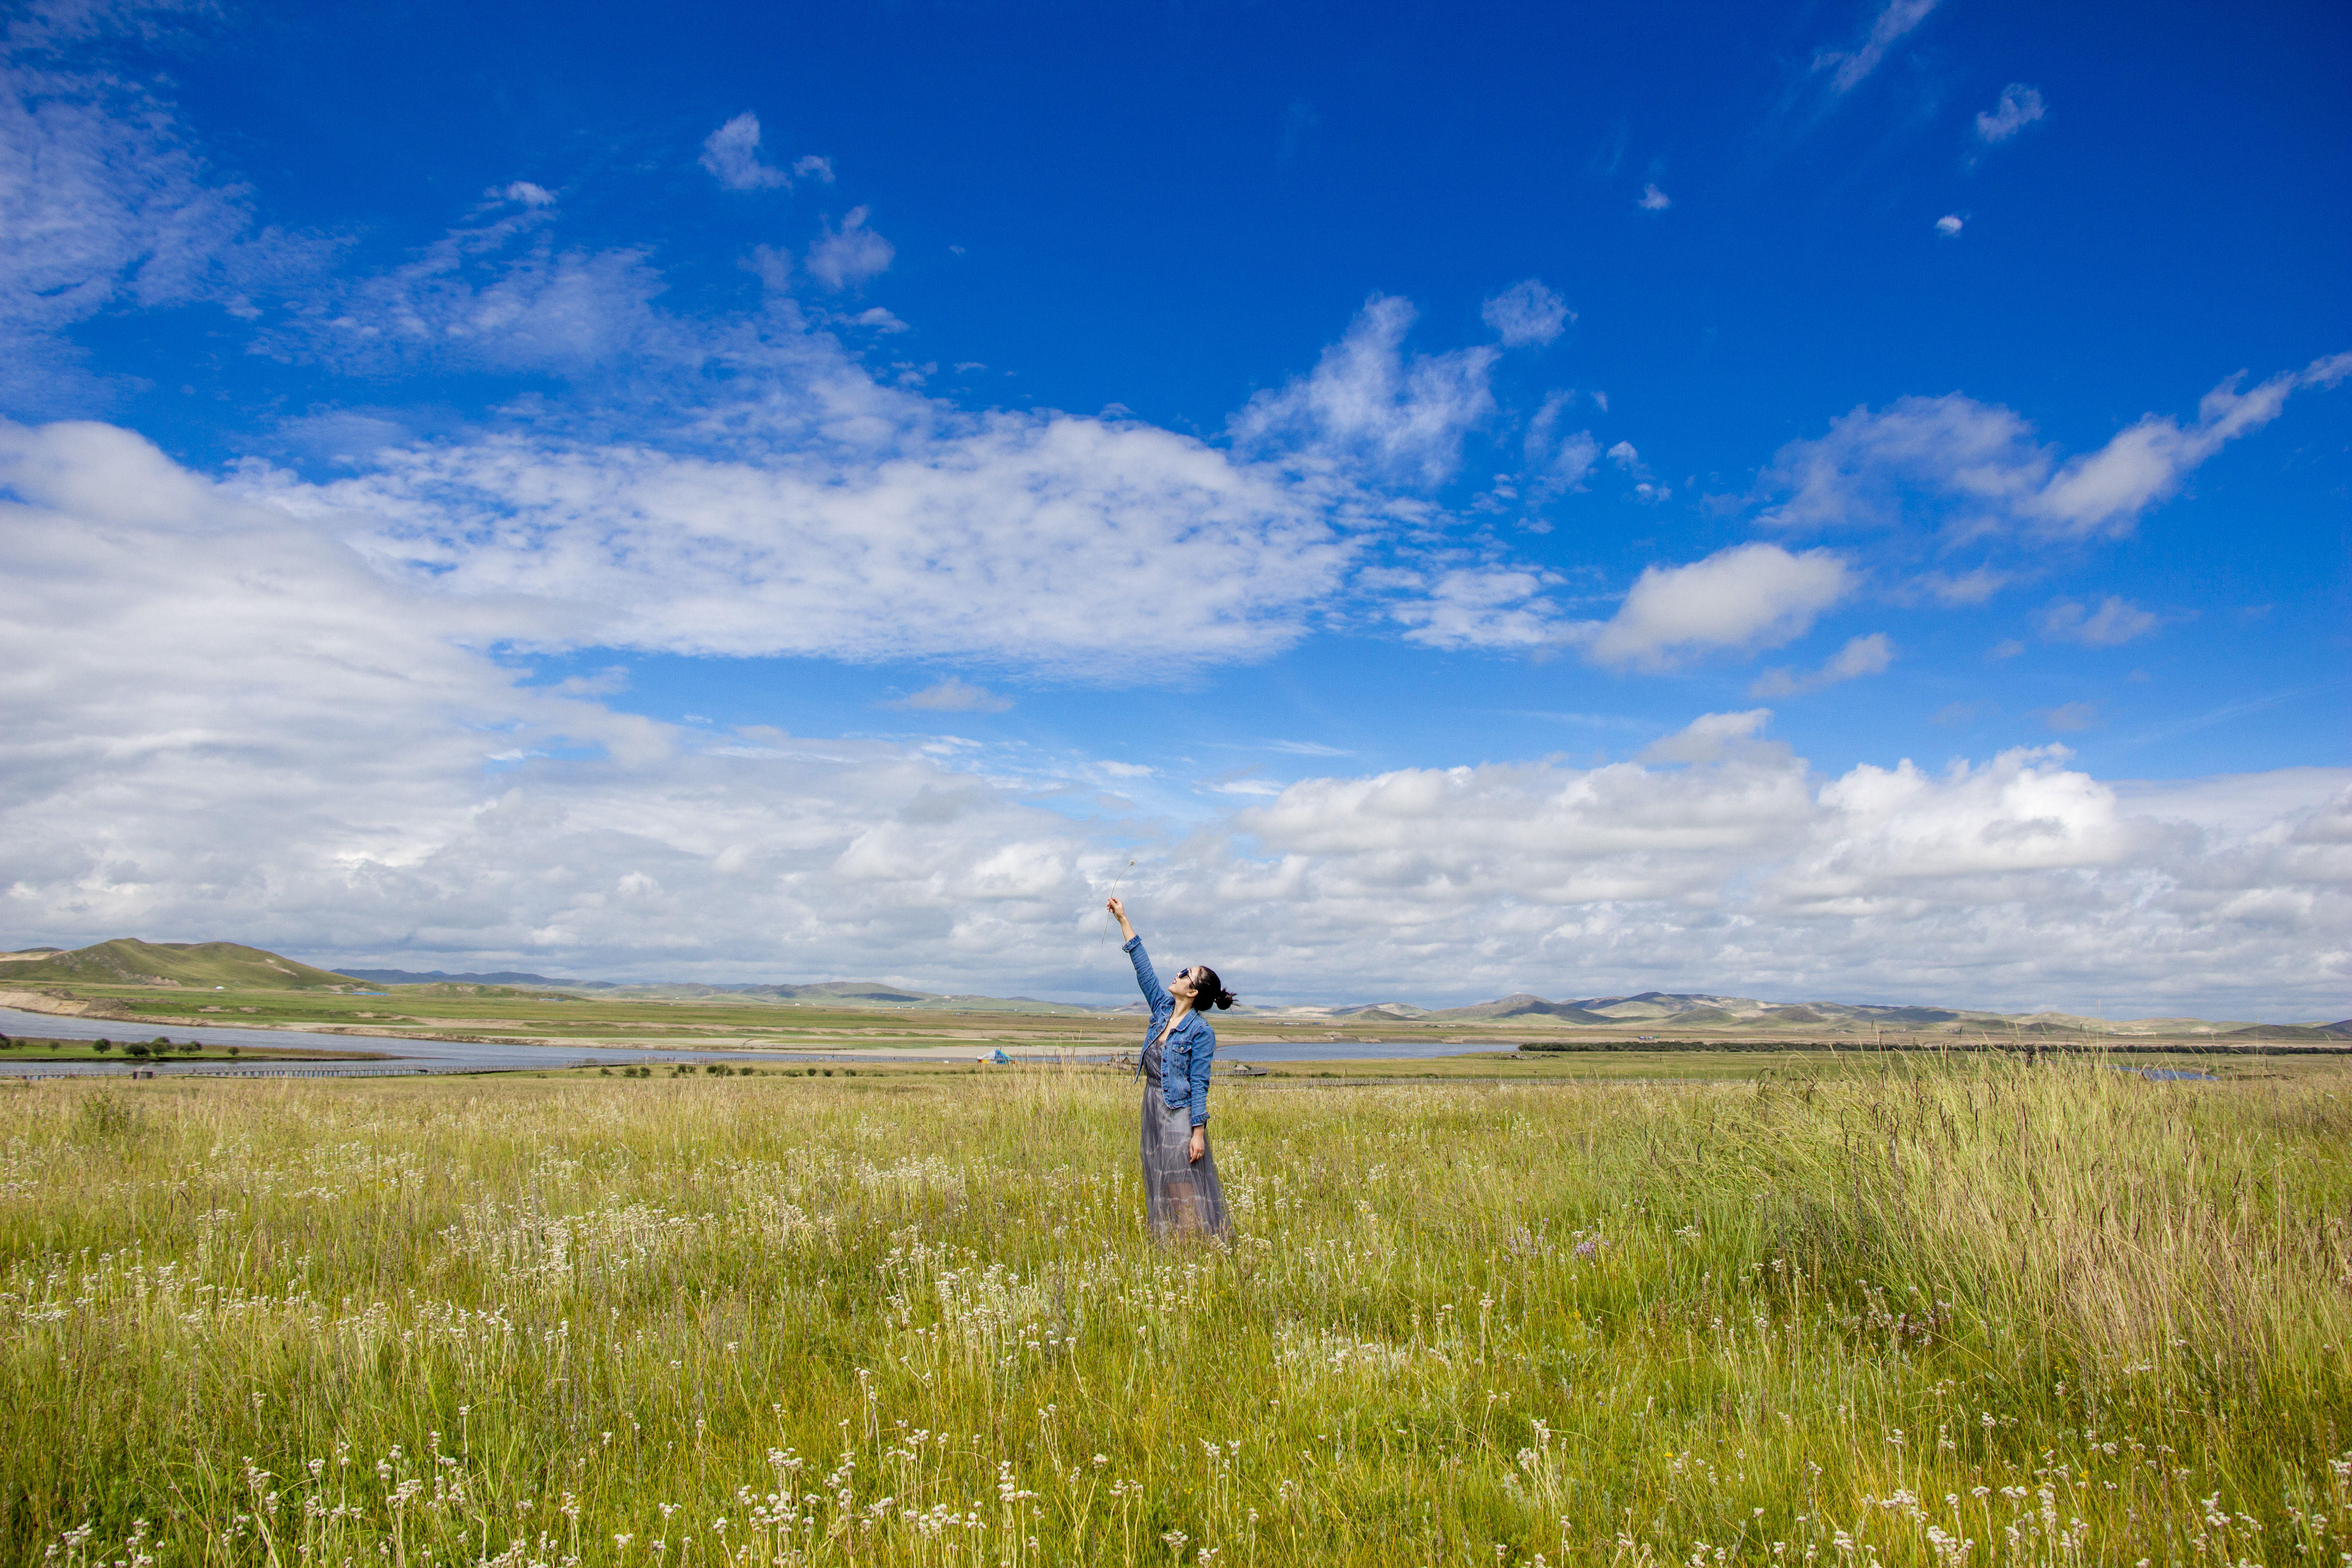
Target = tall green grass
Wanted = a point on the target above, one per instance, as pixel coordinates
(1981, 1313)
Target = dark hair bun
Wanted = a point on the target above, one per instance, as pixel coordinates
(1227, 998)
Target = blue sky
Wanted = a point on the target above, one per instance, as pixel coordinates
(1833, 500)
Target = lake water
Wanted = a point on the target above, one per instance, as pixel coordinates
(414, 1056)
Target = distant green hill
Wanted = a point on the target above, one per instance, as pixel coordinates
(201, 965)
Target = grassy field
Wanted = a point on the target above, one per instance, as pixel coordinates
(139, 1049)
(1932, 1312)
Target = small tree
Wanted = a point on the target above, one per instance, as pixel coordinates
(137, 1050)
(105, 1044)
(192, 1047)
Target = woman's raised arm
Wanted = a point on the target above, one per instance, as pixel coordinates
(1155, 995)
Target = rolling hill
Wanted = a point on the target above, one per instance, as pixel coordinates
(127, 961)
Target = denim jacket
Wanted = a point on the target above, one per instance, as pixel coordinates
(1184, 1059)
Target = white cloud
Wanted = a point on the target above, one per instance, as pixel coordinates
(1652, 200)
(1483, 607)
(910, 533)
(223, 723)
(1862, 656)
(1526, 313)
(1974, 586)
(812, 167)
(499, 296)
(731, 152)
(529, 194)
(1368, 404)
(1948, 224)
(953, 695)
(1746, 597)
(104, 201)
(797, 505)
(1847, 67)
(2012, 881)
(2020, 106)
(2114, 622)
(847, 257)
(1975, 467)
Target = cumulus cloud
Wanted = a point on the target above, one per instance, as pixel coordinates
(1976, 467)
(1526, 313)
(526, 193)
(845, 257)
(2020, 876)
(1746, 597)
(1368, 402)
(1948, 226)
(2114, 621)
(953, 695)
(1652, 200)
(1847, 67)
(1868, 655)
(2020, 106)
(224, 723)
(732, 153)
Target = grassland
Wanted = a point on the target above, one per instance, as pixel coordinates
(1936, 1311)
(140, 1051)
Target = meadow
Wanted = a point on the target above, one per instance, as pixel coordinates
(1938, 1311)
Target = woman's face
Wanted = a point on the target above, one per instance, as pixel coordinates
(1183, 984)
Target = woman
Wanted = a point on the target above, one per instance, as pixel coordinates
(1180, 1192)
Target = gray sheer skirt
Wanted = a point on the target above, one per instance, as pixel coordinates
(1180, 1197)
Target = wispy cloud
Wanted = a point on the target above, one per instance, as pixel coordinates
(2068, 718)
(1862, 656)
(1652, 200)
(2115, 621)
(2019, 107)
(1402, 418)
(1974, 468)
(1847, 67)
(952, 695)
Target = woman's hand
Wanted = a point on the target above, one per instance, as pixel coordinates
(1200, 1145)
(1119, 913)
